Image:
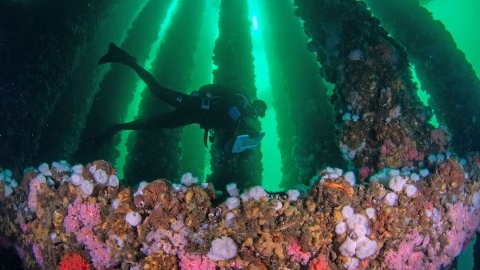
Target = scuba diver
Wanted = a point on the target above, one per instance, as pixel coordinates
(212, 106)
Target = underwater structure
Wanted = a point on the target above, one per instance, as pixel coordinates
(383, 123)
(113, 95)
(405, 199)
(234, 60)
(306, 146)
(153, 152)
(433, 51)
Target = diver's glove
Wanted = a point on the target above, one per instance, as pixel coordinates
(253, 133)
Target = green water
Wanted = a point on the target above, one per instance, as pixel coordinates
(461, 18)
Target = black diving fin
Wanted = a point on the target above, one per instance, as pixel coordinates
(116, 55)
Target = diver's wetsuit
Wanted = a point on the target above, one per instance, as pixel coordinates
(210, 112)
(189, 109)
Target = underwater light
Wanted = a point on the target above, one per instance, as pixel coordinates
(271, 157)
(255, 23)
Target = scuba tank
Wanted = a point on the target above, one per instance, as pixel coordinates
(241, 142)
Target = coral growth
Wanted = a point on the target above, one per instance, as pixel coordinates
(73, 261)
(408, 222)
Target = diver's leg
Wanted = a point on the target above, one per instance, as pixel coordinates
(117, 55)
(177, 118)
(174, 98)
